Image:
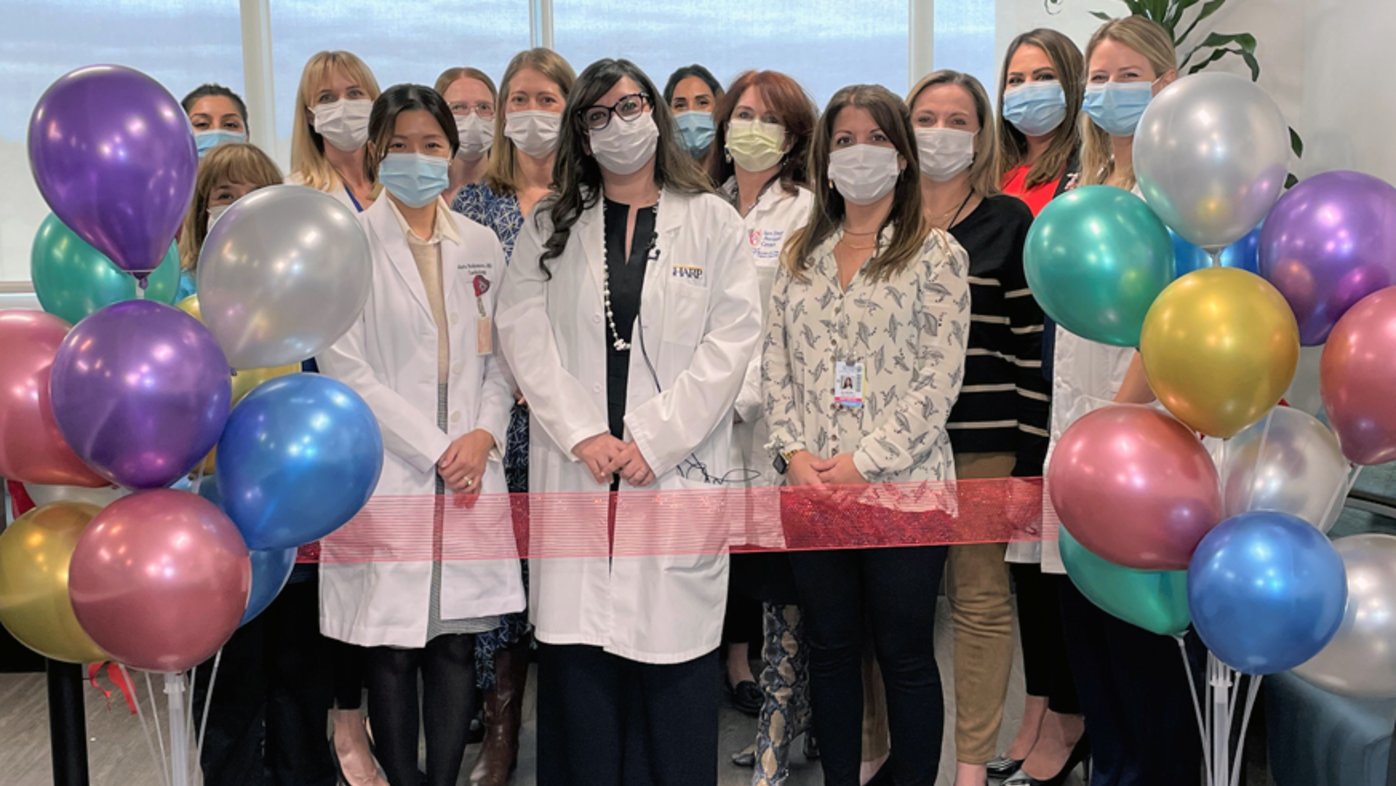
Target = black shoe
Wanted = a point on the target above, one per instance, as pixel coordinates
(1079, 755)
(811, 747)
(883, 777)
(746, 697)
(746, 757)
(1001, 767)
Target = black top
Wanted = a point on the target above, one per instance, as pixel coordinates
(1003, 403)
(627, 279)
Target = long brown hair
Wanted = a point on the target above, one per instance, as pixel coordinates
(307, 147)
(789, 102)
(1066, 139)
(984, 176)
(1149, 39)
(909, 227)
(577, 176)
(238, 162)
(502, 173)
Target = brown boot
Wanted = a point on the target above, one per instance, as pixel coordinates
(503, 715)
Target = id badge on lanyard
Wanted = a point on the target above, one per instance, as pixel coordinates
(848, 384)
(484, 325)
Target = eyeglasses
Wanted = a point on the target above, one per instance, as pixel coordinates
(628, 107)
(481, 108)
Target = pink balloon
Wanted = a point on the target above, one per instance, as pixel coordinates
(32, 449)
(1357, 378)
(160, 579)
(1135, 486)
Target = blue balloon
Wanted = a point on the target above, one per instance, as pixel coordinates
(1244, 253)
(271, 570)
(299, 457)
(1267, 591)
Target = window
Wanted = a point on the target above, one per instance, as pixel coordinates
(964, 40)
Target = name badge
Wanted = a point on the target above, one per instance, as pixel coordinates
(848, 384)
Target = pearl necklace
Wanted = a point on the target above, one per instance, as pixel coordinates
(619, 343)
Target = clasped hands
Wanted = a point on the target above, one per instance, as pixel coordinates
(463, 464)
(606, 456)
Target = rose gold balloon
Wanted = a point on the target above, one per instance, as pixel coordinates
(1135, 486)
(1358, 379)
(160, 579)
(32, 449)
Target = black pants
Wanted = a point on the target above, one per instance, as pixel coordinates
(1134, 693)
(607, 721)
(889, 594)
(447, 670)
(270, 699)
(1046, 671)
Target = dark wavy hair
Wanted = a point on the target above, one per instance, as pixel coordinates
(211, 89)
(577, 176)
(684, 73)
(382, 119)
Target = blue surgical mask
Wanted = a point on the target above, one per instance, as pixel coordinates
(208, 140)
(697, 129)
(1117, 106)
(1035, 108)
(413, 178)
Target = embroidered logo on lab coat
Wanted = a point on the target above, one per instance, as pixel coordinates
(766, 243)
(690, 273)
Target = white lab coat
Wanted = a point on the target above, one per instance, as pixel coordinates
(340, 193)
(699, 318)
(389, 358)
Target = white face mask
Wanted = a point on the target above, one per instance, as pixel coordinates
(216, 212)
(624, 146)
(864, 174)
(944, 152)
(344, 124)
(476, 135)
(533, 132)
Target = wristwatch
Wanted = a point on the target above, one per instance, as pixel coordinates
(782, 461)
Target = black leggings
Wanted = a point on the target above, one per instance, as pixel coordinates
(891, 594)
(447, 668)
(1046, 670)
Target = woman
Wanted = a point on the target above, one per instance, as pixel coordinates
(333, 100)
(1118, 667)
(536, 80)
(628, 317)
(469, 92)
(226, 175)
(867, 290)
(218, 115)
(1040, 92)
(998, 426)
(693, 93)
(767, 120)
(442, 399)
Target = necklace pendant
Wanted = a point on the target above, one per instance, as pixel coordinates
(620, 345)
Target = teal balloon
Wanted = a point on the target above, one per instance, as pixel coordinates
(72, 279)
(1096, 257)
(1156, 601)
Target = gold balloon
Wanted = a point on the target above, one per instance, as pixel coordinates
(1220, 347)
(34, 605)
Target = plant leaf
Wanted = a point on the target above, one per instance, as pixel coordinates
(1210, 8)
(1296, 143)
(1212, 57)
(1290, 180)
(1101, 15)
(1176, 9)
(1245, 41)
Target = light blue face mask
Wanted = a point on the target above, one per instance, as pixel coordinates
(698, 130)
(208, 140)
(413, 178)
(1035, 108)
(1117, 106)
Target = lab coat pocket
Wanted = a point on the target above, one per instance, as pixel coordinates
(685, 313)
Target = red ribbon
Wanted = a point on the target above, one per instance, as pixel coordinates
(118, 680)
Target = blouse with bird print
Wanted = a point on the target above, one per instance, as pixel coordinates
(908, 330)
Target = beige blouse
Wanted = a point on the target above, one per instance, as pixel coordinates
(427, 254)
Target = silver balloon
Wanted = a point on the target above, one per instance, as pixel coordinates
(1210, 155)
(101, 497)
(282, 275)
(1287, 462)
(1361, 659)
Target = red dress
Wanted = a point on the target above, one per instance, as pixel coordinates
(1037, 197)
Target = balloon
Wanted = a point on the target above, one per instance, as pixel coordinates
(113, 155)
(1287, 462)
(141, 392)
(1357, 379)
(160, 580)
(1211, 154)
(270, 572)
(1361, 658)
(32, 448)
(1329, 242)
(1220, 348)
(34, 554)
(1156, 601)
(283, 274)
(72, 279)
(1096, 258)
(1267, 591)
(299, 457)
(1243, 254)
(101, 497)
(1134, 486)
(245, 380)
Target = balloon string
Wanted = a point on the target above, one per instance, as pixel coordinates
(208, 702)
(145, 727)
(1259, 457)
(1196, 707)
(1245, 721)
(159, 732)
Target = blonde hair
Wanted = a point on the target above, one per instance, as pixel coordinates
(232, 163)
(308, 163)
(1149, 39)
(1066, 139)
(984, 176)
(502, 174)
(450, 75)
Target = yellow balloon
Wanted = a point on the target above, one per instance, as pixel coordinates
(1220, 346)
(34, 605)
(190, 306)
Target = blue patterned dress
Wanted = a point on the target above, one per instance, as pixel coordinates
(502, 215)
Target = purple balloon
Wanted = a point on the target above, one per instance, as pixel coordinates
(113, 155)
(141, 392)
(1328, 243)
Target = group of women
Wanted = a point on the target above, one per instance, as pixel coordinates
(584, 285)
